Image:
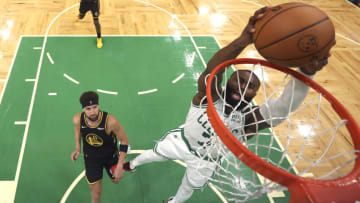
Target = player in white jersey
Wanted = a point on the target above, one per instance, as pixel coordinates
(198, 132)
(190, 141)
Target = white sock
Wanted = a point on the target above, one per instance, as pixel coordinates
(146, 157)
(184, 192)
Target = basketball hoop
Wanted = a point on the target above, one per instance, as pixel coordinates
(340, 189)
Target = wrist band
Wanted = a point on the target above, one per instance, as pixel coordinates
(124, 148)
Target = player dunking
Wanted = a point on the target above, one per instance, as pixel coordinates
(194, 139)
(99, 131)
(94, 7)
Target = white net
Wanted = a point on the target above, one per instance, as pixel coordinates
(311, 141)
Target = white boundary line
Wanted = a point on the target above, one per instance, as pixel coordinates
(21, 156)
(181, 23)
(20, 123)
(30, 80)
(147, 91)
(52, 93)
(352, 4)
(37, 48)
(107, 92)
(49, 57)
(71, 79)
(217, 192)
(353, 41)
(72, 186)
(11, 67)
(178, 78)
(82, 174)
(251, 2)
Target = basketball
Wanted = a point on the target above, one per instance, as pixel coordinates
(293, 34)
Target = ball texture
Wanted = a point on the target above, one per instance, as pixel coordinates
(293, 34)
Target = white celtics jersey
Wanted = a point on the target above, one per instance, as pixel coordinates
(199, 132)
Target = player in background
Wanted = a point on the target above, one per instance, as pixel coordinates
(99, 131)
(94, 7)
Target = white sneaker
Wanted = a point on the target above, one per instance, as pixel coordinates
(127, 167)
(171, 200)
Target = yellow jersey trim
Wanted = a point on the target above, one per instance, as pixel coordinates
(80, 123)
(97, 124)
(87, 180)
(107, 116)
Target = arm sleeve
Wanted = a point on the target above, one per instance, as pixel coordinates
(276, 110)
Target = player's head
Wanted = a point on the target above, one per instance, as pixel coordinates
(241, 82)
(90, 105)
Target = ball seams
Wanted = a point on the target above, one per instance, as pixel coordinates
(289, 59)
(288, 36)
(272, 17)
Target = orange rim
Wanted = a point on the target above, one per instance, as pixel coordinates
(264, 168)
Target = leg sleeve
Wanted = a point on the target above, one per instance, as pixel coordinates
(147, 156)
(199, 171)
(184, 192)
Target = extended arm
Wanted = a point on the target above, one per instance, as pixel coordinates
(276, 110)
(231, 51)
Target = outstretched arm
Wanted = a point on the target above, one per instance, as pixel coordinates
(231, 51)
(274, 111)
